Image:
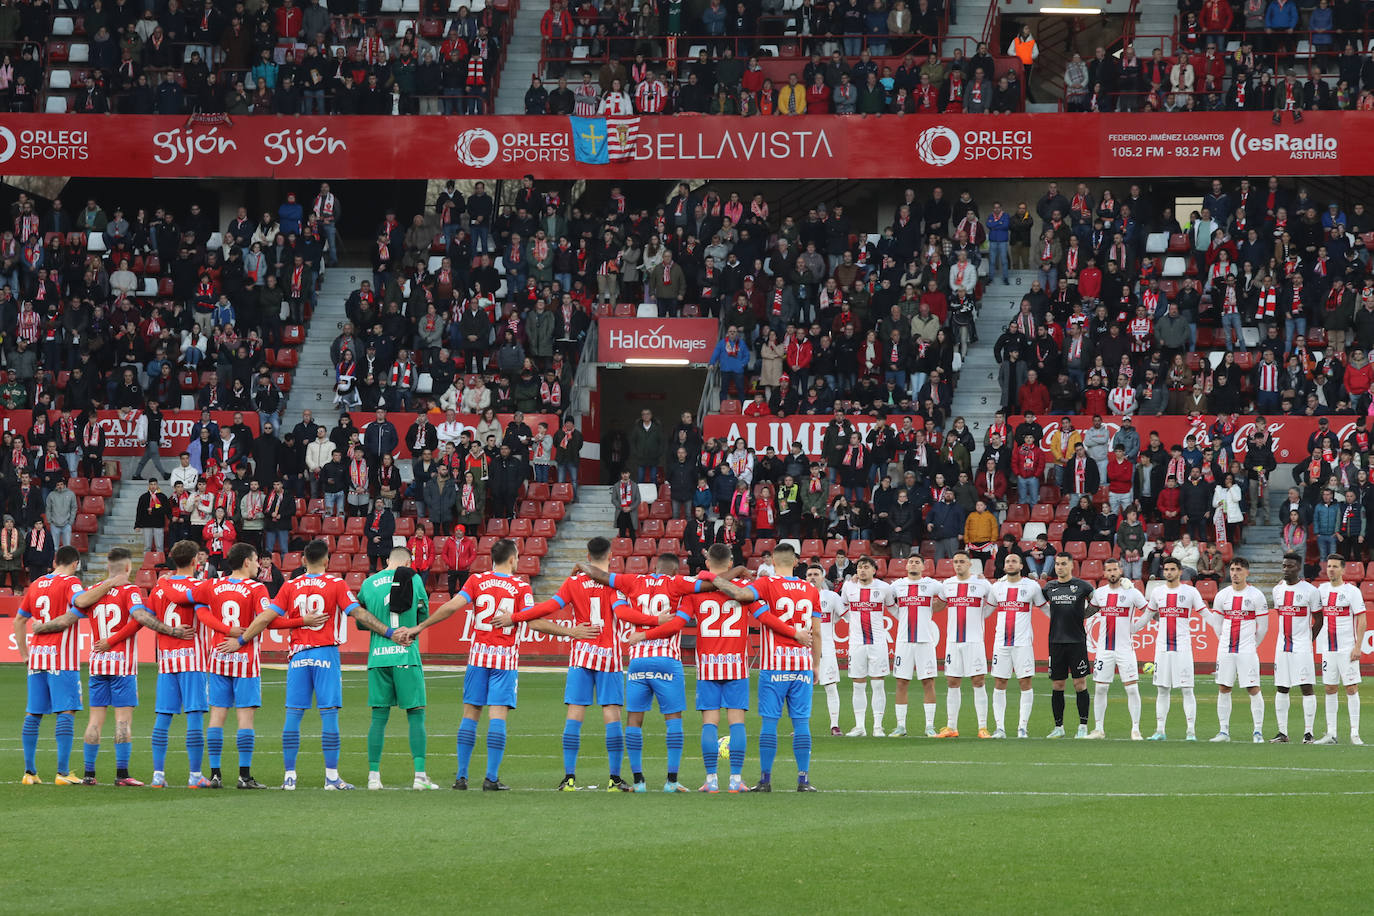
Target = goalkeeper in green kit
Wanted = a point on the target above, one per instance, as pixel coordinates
(394, 675)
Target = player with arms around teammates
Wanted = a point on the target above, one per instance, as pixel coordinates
(227, 607)
(790, 653)
(1014, 597)
(967, 600)
(56, 602)
(491, 679)
(314, 672)
(655, 670)
(115, 622)
(595, 672)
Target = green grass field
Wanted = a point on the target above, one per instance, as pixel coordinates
(960, 826)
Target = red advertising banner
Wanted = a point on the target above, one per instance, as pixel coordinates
(813, 146)
(1288, 435)
(780, 432)
(120, 438)
(647, 340)
(469, 421)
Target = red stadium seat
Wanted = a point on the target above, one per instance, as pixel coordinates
(482, 563)
(944, 568)
(1100, 550)
(527, 566)
(661, 509)
(102, 486)
(359, 563)
(1018, 512)
(497, 526)
(1090, 569)
(145, 578)
(521, 528)
(1076, 549)
(355, 524)
(539, 492)
(338, 563)
(1367, 590)
(80, 487)
(535, 547)
(622, 547)
(309, 525)
(1055, 530)
(290, 561)
(293, 335)
(86, 523)
(95, 505)
(528, 509)
(556, 511)
(1207, 589)
(562, 492)
(675, 528)
(764, 545)
(637, 566)
(729, 407)
(670, 545)
(1354, 573)
(645, 547)
(1042, 513)
(812, 547)
(333, 525)
(348, 544)
(543, 528)
(405, 526)
(355, 580)
(651, 528)
(616, 565)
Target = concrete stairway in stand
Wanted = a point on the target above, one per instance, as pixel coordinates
(312, 385)
(522, 59)
(978, 396)
(592, 515)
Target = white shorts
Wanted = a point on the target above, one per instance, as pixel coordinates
(1013, 660)
(829, 671)
(1337, 668)
(1173, 669)
(914, 660)
(1110, 662)
(868, 660)
(965, 659)
(1238, 669)
(1293, 669)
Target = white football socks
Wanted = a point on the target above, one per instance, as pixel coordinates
(901, 714)
(832, 704)
(1190, 709)
(1281, 701)
(954, 698)
(999, 705)
(1309, 713)
(1133, 703)
(1027, 703)
(879, 702)
(980, 705)
(1257, 710)
(1101, 705)
(860, 705)
(1224, 712)
(1163, 697)
(1333, 711)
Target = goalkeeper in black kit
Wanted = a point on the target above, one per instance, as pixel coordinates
(1067, 600)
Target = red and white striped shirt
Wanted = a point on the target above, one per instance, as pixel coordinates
(594, 605)
(794, 602)
(1236, 618)
(175, 655)
(230, 603)
(108, 618)
(316, 594)
(722, 634)
(1014, 602)
(1295, 603)
(1117, 607)
(1268, 376)
(47, 599)
(489, 594)
(654, 595)
(866, 607)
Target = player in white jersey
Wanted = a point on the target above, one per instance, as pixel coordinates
(866, 602)
(1343, 616)
(1014, 597)
(1299, 609)
(1240, 615)
(1173, 606)
(828, 674)
(1116, 603)
(967, 598)
(917, 637)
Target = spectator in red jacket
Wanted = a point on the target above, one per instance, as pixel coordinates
(289, 21)
(1034, 397)
(556, 27)
(799, 358)
(992, 484)
(1120, 481)
(1216, 20)
(1028, 464)
(1169, 505)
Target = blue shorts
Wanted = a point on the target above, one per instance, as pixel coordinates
(315, 674)
(790, 687)
(54, 691)
(113, 690)
(484, 686)
(586, 687)
(732, 694)
(656, 678)
(234, 692)
(181, 691)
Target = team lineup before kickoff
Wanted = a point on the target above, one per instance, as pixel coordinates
(626, 655)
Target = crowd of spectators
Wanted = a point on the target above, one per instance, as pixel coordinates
(224, 58)
(831, 81)
(1259, 55)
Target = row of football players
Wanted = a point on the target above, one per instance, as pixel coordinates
(1239, 614)
(208, 634)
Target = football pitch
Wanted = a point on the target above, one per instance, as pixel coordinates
(965, 826)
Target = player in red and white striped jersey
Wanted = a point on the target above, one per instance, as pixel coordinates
(1298, 604)
(232, 607)
(790, 607)
(967, 599)
(314, 674)
(491, 679)
(180, 668)
(917, 637)
(1116, 602)
(56, 602)
(1013, 653)
(114, 670)
(1343, 615)
(655, 670)
(1240, 615)
(594, 672)
(1173, 605)
(722, 652)
(867, 603)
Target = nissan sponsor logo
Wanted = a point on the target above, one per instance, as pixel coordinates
(939, 146)
(478, 147)
(45, 145)
(1312, 146)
